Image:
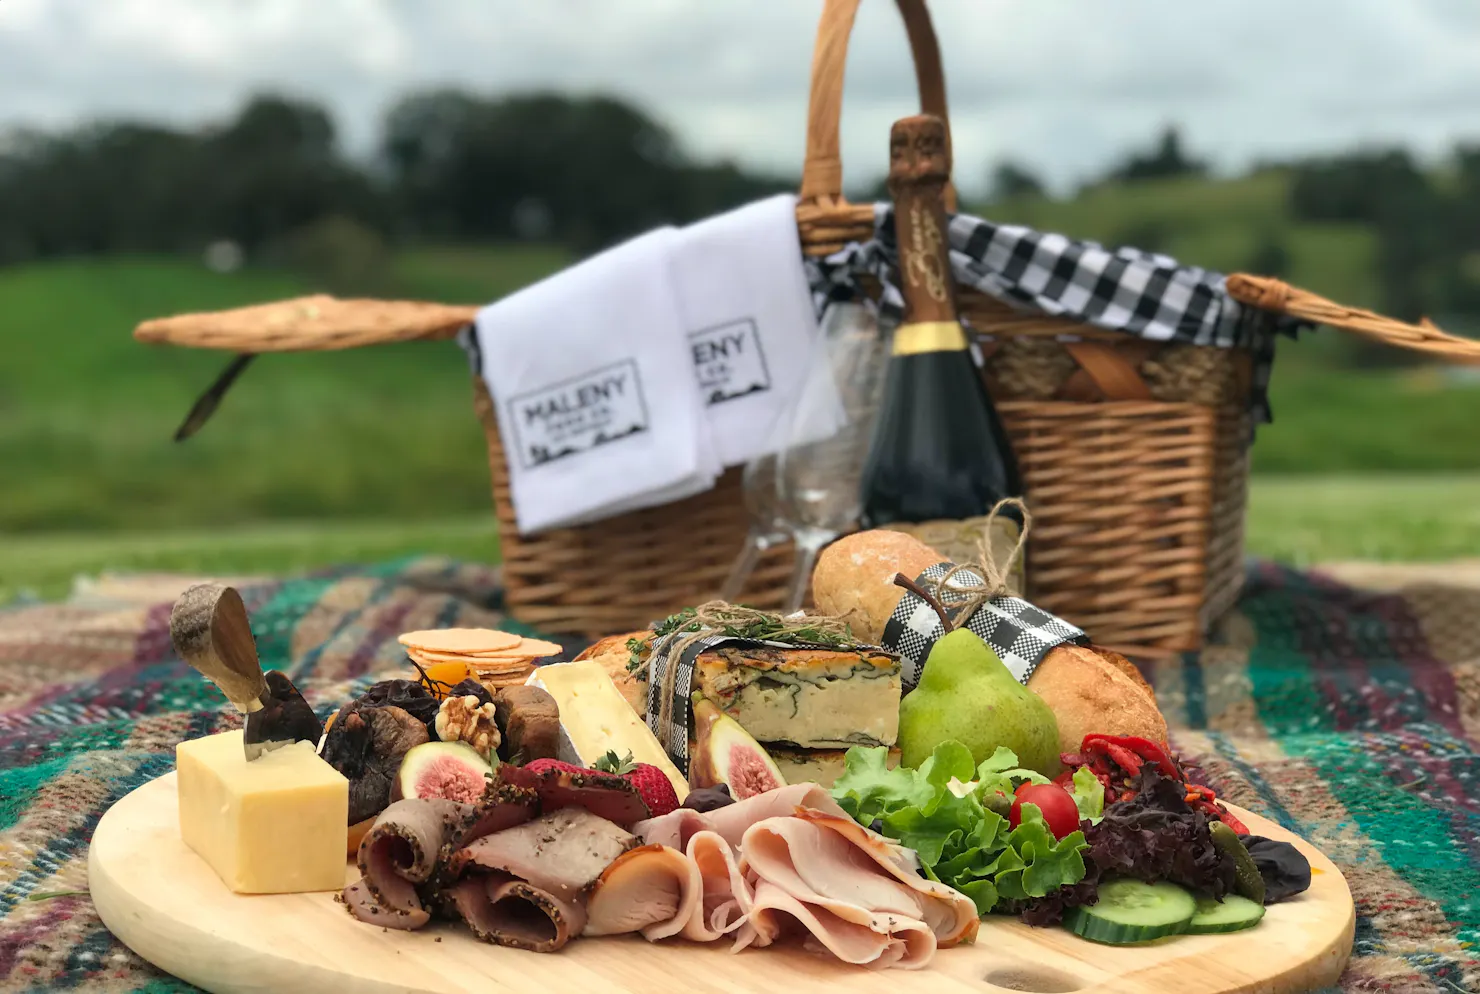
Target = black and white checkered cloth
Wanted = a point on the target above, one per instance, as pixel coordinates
(1141, 293)
(1018, 632)
(675, 736)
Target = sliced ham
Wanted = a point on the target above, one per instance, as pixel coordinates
(730, 822)
(950, 914)
(509, 912)
(728, 896)
(883, 941)
(652, 889)
(562, 853)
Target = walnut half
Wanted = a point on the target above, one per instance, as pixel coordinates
(463, 719)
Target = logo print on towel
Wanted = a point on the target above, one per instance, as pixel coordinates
(728, 361)
(577, 415)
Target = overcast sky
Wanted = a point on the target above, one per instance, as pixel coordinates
(1063, 86)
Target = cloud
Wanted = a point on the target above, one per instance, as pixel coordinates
(1064, 87)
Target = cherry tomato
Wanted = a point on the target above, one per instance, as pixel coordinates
(1056, 804)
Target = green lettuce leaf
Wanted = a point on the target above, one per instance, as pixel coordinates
(998, 776)
(868, 788)
(962, 842)
(1089, 794)
(1043, 862)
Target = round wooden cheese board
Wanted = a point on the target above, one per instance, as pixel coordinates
(167, 905)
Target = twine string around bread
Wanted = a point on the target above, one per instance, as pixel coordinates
(968, 594)
(722, 618)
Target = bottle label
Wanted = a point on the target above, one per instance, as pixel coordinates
(929, 336)
(925, 256)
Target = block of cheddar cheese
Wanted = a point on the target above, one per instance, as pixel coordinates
(276, 825)
(595, 719)
(811, 698)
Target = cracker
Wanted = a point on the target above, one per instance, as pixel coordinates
(530, 649)
(460, 640)
(468, 662)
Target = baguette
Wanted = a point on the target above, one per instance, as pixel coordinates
(1088, 689)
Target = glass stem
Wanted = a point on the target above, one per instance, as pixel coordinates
(755, 543)
(808, 544)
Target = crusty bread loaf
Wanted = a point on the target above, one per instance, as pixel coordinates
(1089, 689)
(1087, 693)
(854, 578)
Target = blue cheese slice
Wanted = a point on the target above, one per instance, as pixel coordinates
(808, 698)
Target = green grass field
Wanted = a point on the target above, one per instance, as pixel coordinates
(87, 414)
(1301, 520)
(346, 441)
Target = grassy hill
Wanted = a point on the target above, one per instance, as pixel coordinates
(1219, 225)
(87, 414)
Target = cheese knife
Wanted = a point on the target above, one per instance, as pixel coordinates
(211, 631)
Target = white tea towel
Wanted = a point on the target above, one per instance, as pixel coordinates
(594, 387)
(750, 323)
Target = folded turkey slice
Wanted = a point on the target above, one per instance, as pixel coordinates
(661, 892)
(652, 889)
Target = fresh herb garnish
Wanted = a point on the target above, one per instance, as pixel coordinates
(755, 626)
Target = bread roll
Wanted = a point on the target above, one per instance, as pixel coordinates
(1088, 689)
(854, 578)
(1087, 693)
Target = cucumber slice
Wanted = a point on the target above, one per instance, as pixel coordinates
(1233, 914)
(1129, 911)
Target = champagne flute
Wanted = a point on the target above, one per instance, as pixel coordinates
(758, 490)
(818, 473)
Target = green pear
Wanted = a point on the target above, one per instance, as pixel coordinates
(968, 694)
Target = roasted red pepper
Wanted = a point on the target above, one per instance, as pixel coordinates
(1119, 759)
(1228, 819)
(1140, 751)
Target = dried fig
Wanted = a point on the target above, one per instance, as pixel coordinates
(367, 744)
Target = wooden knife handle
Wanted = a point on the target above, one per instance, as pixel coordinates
(210, 630)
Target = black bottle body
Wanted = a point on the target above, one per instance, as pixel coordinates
(939, 450)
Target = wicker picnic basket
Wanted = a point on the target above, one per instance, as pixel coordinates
(1134, 454)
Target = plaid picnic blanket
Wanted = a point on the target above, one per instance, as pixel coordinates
(1352, 718)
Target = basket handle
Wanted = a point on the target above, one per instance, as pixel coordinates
(1279, 297)
(303, 324)
(822, 172)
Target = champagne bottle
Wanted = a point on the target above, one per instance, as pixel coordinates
(938, 449)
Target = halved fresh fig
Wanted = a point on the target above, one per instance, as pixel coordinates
(452, 770)
(727, 754)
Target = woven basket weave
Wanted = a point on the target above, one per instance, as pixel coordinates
(1133, 453)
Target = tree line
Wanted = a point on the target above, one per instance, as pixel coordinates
(582, 171)
(586, 171)
(1426, 221)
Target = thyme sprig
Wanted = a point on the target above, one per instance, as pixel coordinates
(745, 623)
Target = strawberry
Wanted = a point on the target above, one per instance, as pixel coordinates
(652, 783)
